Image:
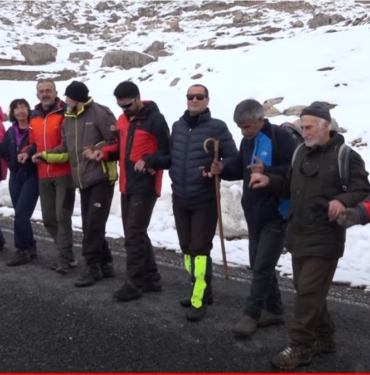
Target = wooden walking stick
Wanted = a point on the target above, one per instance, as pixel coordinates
(216, 144)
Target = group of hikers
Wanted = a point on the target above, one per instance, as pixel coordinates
(298, 195)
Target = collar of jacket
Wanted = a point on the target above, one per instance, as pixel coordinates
(203, 117)
(336, 140)
(82, 109)
(59, 106)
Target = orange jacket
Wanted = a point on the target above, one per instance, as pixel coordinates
(46, 134)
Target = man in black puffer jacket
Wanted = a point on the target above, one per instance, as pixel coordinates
(194, 196)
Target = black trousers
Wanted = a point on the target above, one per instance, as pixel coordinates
(196, 223)
(265, 248)
(137, 210)
(95, 207)
(312, 279)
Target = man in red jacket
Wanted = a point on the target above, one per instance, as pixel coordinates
(142, 131)
(57, 191)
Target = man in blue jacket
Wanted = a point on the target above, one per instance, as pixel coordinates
(265, 148)
(194, 197)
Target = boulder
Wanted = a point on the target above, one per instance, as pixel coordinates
(126, 59)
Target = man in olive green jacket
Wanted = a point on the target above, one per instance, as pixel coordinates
(88, 124)
(313, 236)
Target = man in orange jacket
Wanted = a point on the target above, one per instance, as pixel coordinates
(57, 191)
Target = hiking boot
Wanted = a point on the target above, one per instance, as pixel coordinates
(72, 264)
(89, 275)
(63, 266)
(153, 283)
(128, 292)
(32, 252)
(196, 314)
(20, 257)
(324, 346)
(292, 357)
(107, 270)
(186, 302)
(269, 319)
(245, 327)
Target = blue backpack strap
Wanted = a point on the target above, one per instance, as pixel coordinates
(344, 154)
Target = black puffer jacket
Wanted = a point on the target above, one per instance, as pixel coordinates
(187, 154)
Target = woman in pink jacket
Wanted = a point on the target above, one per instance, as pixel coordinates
(3, 167)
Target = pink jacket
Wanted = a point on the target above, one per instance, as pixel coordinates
(3, 163)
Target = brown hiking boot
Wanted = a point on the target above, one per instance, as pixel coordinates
(245, 327)
(292, 357)
(20, 257)
(324, 346)
(269, 319)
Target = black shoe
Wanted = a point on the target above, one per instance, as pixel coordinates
(20, 257)
(186, 302)
(107, 270)
(89, 275)
(153, 283)
(33, 252)
(196, 314)
(128, 292)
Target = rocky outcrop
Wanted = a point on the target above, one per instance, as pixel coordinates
(38, 53)
(126, 59)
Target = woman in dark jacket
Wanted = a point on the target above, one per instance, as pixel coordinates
(23, 182)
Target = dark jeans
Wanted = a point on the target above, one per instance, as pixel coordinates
(312, 280)
(57, 197)
(196, 223)
(24, 193)
(137, 212)
(265, 248)
(95, 207)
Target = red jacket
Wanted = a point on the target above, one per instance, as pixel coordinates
(146, 134)
(46, 134)
(3, 163)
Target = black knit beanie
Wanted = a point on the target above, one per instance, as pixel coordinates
(78, 92)
(317, 109)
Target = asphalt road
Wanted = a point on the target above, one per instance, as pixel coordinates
(49, 325)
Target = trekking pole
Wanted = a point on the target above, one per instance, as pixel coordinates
(216, 144)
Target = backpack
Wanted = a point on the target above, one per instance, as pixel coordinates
(343, 163)
(294, 131)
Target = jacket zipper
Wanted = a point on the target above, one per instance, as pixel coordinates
(47, 165)
(76, 145)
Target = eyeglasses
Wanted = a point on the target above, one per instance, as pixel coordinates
(199, 97)
(126, 105)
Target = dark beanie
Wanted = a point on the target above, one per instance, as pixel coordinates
(317, 109)
(78, 92)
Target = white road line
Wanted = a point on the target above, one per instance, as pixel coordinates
(218, 275)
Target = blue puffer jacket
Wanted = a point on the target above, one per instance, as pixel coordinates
(187, 154)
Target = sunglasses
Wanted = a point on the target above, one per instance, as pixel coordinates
(199, 97)
(126, 105)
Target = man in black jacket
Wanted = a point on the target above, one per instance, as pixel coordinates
(264, 148)
(313, 236)
(194, 197)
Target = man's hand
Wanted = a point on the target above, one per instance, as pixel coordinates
(87, 152)
(140, 166)
(205, 173)
(259, 167)
(349, 217)
(37, 158)
(97, 155)
(258, 181)
(335, 208)
(23, 157)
